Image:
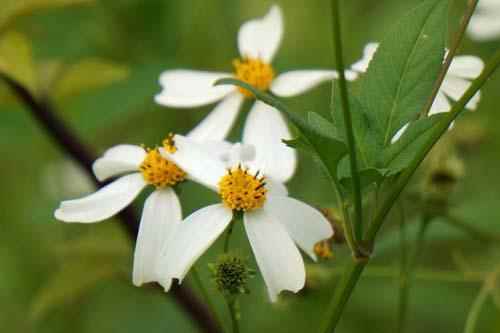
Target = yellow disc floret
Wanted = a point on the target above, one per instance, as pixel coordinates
(169, 143)
(323, 249)
(242, 191)
(254, 72)
(159, 171)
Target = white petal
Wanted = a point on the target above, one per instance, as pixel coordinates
(260, 38)
(118, 160)
(466, 67)
(265, 128)
(440, 105)
(104, 203)
(275, 188)
(399, 133)
(278, 258)
(306, 225)
(239, 154)
(361, 65)
(455, 88)
(193, 237)
(484, 27)
(187, 88)
(200, 164)
(217, 149)
(217, 125)
(161, 216)
(297, 82)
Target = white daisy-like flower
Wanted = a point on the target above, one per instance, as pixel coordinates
(484, 24)
(258, 42)
(137, 168)
(275, 223)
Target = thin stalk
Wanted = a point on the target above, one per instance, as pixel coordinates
(475, 311)
(204, 293)
(409, 275)
(351, 141)
(229, 232)
(344, 290)
(476, 233)
(231, 304)
(459, 36)
(44, 114)
(403, 273)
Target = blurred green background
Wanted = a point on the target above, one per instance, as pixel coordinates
(99, 60)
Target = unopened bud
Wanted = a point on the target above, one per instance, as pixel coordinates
(231, 274)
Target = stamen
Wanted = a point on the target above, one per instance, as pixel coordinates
(169, 143)
(242, 191)
(160, 172)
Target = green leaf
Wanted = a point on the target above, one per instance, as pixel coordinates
(367, 142)
(404, 69)
(367, 176)
(317, 133)
(85, 75)
(401, 153)
(11, 9)
(16, 59)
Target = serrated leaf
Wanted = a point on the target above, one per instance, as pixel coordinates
(404, 69)
(16, 59)
(11, 9)
(87, 74)
(401, 153)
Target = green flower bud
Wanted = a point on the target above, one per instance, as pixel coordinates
(231, 274)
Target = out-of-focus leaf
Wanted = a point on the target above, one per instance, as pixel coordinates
(11, 9)
(105, 240)
(404, 69)
(70, 283)
(85, 75)
(16, 59)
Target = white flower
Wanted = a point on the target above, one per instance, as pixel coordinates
(274, 222)
(258, 42)
(161, 215)
(484, 24)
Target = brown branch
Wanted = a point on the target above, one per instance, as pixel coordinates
(67, 141)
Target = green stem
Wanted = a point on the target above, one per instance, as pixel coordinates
(451, 54)
(403, 273)
(231, 304)
(204, 293)
(409, 274)
(472, 318)
(351, 142)
(229, 232)
(480, 235)
(346, 286)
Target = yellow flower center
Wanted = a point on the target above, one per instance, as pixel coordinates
(254, 72)
(159, 171)
(323, 249)
(242, 191)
